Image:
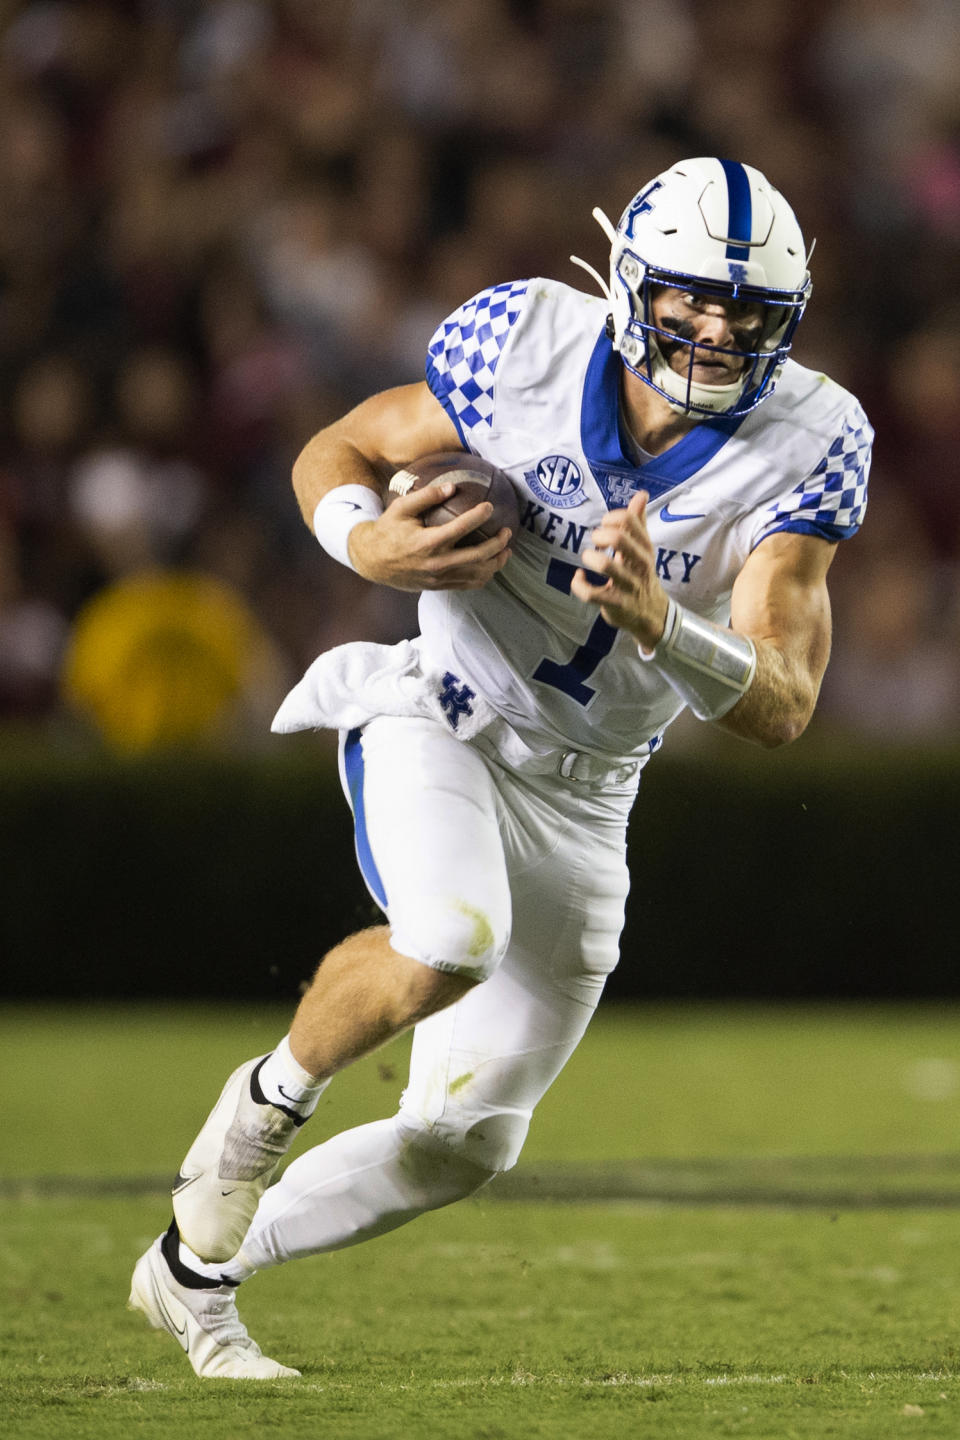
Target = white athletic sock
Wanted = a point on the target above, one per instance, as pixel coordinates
(357, 1185)
(285, 1083)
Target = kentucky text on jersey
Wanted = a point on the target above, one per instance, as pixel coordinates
(553, 528)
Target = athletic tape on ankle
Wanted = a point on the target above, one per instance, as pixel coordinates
(708, 665)
(335, 516)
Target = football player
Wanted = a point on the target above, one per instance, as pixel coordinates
(683, 485)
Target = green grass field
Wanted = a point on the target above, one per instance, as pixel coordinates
(729, 1221)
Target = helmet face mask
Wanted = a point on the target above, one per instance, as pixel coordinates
(717, 233)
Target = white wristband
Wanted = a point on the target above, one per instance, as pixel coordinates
(335, 516)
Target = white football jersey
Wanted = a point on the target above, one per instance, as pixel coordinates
(531, 382)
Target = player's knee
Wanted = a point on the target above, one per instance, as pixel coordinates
(437, 1167)
(490, 1141)
(454, 935)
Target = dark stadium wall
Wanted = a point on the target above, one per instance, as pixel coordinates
(204, 877)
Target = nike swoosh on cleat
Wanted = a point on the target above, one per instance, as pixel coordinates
(179, 1330)
(181, 1183)
(671, 519)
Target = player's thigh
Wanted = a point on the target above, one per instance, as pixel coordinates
(429, 843)
(479, 1069)
(568, 889)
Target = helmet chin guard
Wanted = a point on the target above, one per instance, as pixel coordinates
(685, 395)
(718, 231)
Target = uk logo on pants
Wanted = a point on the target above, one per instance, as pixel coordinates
(456, 698)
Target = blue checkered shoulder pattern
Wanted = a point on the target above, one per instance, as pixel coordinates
(464, 353)
(831, 503)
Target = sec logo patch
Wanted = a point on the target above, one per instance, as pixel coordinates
(558, 481)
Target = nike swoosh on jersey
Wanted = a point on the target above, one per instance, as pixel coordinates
(352, 503)
(672, 519)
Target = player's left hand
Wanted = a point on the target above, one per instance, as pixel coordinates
(631, 596)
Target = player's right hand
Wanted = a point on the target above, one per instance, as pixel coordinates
(399, 550)
(631, 596)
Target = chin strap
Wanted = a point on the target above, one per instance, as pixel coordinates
(585, 265)
(610, 230)
(684, 396)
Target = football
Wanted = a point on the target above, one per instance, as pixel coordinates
(475, 479)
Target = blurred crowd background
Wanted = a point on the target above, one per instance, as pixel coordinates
(222, 224)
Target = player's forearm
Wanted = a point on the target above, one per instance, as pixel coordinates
(328, 460)
(780, 601)
(370, 442)
(758, 688)
(390, 546)
(779, 703)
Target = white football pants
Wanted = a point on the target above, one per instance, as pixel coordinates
(521, 880)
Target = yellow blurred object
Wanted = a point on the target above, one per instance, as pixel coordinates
(165, 658)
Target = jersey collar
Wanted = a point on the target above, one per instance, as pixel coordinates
(603, 444)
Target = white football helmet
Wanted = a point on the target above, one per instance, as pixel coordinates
(714, 229)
